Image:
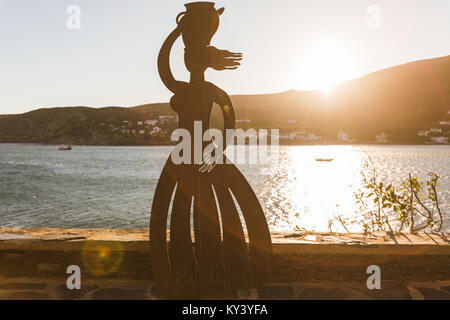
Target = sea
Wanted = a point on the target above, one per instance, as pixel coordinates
(113, 187)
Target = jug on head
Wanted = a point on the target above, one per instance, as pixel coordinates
(199, 23)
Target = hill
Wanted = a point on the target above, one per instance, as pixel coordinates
(398, 101)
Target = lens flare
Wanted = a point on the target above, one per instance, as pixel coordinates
(102, 258)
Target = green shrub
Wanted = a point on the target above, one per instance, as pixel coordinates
(413, 205)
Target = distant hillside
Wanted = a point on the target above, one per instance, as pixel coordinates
(402, 98)
(80, 125)
(398, 101)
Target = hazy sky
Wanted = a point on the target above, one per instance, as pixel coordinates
(287, 44)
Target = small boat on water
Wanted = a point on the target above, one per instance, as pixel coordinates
(64, 148)
(324, 160)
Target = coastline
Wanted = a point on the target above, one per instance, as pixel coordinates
(281, 144)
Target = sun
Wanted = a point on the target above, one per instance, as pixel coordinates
(323, 66)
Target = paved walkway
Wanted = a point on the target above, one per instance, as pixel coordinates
(38, 289)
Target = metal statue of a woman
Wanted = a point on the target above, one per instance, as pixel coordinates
(214, 260)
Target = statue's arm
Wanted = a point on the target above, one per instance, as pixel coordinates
(164, 62)
(223, 100)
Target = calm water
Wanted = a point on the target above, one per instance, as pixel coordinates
(112, 187)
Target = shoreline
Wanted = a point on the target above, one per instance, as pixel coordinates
(281, 144)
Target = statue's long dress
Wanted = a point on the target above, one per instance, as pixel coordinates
(218, 261)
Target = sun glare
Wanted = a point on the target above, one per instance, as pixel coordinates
(323, 66)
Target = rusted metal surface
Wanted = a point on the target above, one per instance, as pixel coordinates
(217, 261)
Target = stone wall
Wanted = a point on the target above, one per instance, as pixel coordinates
(116, 264)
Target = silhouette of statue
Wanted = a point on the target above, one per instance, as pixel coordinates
(219, 262)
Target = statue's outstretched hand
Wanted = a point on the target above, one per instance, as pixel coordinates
(207, 165)
(223, 59)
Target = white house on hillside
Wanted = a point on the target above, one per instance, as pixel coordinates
(440, 140)
(151, 122)
(382, 138)
(313, 137)
(155, 130)
(436, 130)
(342, 136)
(164, 118)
